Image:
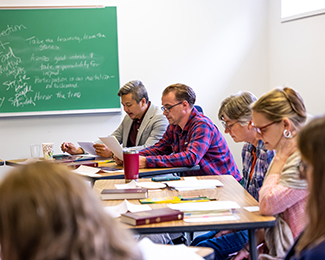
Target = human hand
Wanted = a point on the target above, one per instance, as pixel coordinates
(118, 161)
(71, 148)
(142, 162)
(102, 150)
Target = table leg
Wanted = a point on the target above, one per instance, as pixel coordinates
(252, 244)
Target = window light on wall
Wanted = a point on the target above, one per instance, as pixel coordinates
(298, 9)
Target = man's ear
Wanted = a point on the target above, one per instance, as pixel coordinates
(143, 102)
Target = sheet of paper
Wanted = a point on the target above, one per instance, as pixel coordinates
(130, 185)
(87, 171)
(88, 147)
(112, 144)
(252, 208)
(212, 219)
(125, 206)
(200, 206)
(151, 251)
(192, 184)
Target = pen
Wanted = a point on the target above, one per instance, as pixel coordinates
(186, 201)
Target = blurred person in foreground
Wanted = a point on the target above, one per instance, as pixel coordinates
(47, 212)
(311, 143)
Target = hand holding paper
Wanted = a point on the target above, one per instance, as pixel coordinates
(112, 144)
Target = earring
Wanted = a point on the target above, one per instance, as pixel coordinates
(287, 134)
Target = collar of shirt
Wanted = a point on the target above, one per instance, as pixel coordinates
(139, 121)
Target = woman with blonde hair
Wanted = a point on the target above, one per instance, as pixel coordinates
(47, 212)
(311, 143)
(277, 117)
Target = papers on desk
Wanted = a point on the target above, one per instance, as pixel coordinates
(146, 185)
(193, 184)
(125, 206)
(209, 210)
(112, 144)
(92, 171)
(151, 251)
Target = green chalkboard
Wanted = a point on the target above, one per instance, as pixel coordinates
(56, 61)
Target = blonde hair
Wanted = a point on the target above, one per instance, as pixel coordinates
(237, 107)
(49, 213)
(311, 143)
(280, 103)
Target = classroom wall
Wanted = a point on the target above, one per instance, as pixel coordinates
(217, 47)
(297, 56)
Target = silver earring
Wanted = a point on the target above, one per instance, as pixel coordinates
(287, 134)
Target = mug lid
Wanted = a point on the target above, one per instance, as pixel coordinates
(130, 151)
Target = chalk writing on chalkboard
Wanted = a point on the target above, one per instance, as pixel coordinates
(51, 65)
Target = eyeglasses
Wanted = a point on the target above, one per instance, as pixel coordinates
(167, 109)
(259, 129)
(302, 167)
(224, 124)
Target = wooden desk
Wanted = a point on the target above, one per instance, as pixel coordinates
(142, 172)
(232, 190)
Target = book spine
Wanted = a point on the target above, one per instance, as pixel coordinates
(153, 220)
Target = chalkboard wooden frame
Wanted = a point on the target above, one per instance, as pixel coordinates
(58, 61)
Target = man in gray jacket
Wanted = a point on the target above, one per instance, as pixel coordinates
(143, 125)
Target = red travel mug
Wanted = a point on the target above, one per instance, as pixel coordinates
(131, 165)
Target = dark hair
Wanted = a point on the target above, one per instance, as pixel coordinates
(182, 92)
(136, 88)
(237, 107)
(311, 143)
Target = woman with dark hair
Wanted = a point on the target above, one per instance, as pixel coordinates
(311, 143)
(48, 212)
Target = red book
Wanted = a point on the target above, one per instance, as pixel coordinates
(116, 194)
(151, 216)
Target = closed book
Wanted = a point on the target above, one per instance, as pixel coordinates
(151, 216)
(116, 194)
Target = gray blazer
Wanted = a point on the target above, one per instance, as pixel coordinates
(152, 128)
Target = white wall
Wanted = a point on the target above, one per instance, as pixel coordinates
(297, 56)
(217, 47)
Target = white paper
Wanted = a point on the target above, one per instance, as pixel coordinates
(200, 206)
(130, 185)
(212, 219)
(112, 144)
(87, 171)
(88, 147)
(252, 208)
(151, 251)
(125, 206)
(192, 184)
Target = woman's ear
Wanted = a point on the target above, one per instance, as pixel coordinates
(250, 126)
(286, 123)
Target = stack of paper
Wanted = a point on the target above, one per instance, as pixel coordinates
(208, 210)
(194, 184)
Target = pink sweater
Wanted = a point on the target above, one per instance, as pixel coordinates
(275, 199)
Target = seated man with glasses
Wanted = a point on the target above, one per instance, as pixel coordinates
(143, 125)
(190, 139)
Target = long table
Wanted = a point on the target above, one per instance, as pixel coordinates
(232, 191)
(147, 172)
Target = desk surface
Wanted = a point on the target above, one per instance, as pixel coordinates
(232, 190)
(142, 172)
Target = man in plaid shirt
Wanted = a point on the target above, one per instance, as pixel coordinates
(190, 139)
